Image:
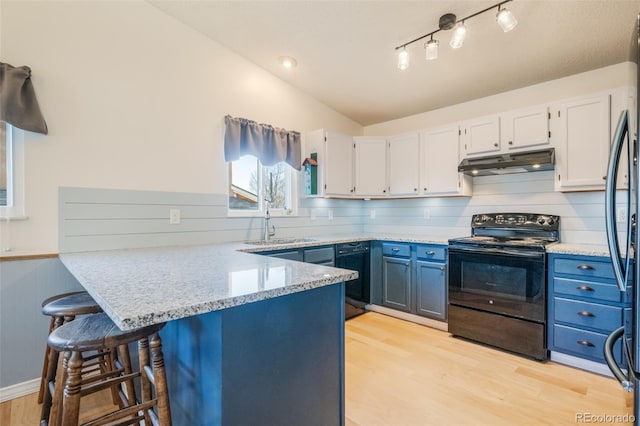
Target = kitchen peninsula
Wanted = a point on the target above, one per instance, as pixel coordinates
(248, 339)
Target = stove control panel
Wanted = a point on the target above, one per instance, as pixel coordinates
(515, 220)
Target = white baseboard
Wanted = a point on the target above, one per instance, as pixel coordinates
(583, 364)
(440, 325)
(19, 389)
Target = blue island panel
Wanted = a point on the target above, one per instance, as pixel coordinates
(274, 362)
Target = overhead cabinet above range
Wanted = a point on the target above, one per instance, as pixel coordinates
(509, 131)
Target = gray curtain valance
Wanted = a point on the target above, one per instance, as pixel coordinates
(269, 144)
(18, 103)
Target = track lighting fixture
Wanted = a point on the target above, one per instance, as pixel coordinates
(504, 18)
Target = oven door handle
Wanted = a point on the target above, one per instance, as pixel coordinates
(493, 250)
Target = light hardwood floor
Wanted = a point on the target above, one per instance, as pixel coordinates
(400, 373)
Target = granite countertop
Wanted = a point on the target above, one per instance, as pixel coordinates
(140, 287)
(579, 249)
(337, 239)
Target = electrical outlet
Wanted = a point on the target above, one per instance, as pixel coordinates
(372, 214)
(174, 216)
(330, 214)
(621, 214)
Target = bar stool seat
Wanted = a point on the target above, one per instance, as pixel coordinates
(97, 333)
(63, 308)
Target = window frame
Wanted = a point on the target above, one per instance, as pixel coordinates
(15, 208)
(260, 211)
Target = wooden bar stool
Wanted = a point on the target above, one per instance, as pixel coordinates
(62, 308)
(97, 333)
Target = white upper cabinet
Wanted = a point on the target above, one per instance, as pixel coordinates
(404, 164)
(525, 128)
(480, 136)
(370, 166)
(581, 131)
(335, 161)
(440, 158)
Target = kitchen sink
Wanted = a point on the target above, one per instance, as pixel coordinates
(275, 241)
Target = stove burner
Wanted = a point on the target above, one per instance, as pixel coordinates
(514, 230)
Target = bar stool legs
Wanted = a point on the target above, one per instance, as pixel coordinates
(63, 308)
(78, 341)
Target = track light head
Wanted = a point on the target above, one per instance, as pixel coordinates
(431, 49)
(506, 20)
(403, 59)
(459, 33)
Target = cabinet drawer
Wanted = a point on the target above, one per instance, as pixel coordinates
(584, 314)
(586, 268)
(438, 253)
(590, 289)
(583, 343)
(396, 249)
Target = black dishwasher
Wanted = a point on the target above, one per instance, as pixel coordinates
(355, 256)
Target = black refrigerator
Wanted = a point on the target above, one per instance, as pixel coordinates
(623, 243)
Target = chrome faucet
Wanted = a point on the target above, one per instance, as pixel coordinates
(267, 217)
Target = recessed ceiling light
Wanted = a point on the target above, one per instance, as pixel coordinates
(288, 62)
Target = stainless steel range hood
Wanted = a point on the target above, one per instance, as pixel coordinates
(520, 162)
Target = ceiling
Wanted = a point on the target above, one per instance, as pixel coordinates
(346, 49)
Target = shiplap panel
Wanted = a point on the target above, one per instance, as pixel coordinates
(100, 219)
(582, 213)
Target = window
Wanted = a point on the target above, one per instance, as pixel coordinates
(11, 172)
(251, 184)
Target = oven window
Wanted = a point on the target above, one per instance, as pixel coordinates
(504, 280)
(507, 284)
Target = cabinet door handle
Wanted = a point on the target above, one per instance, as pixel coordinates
(395, 249)
(586, 267)
(586, 314)
(584, 288)
(430, 253)
(510, 142)
(495, 144)
(586, 343)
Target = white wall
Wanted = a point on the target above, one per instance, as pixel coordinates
(576, 85)
(133, 100)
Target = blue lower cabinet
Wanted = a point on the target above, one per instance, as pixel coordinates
(414, 278)
(431, 285)
(584, 306)
(396, 283)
